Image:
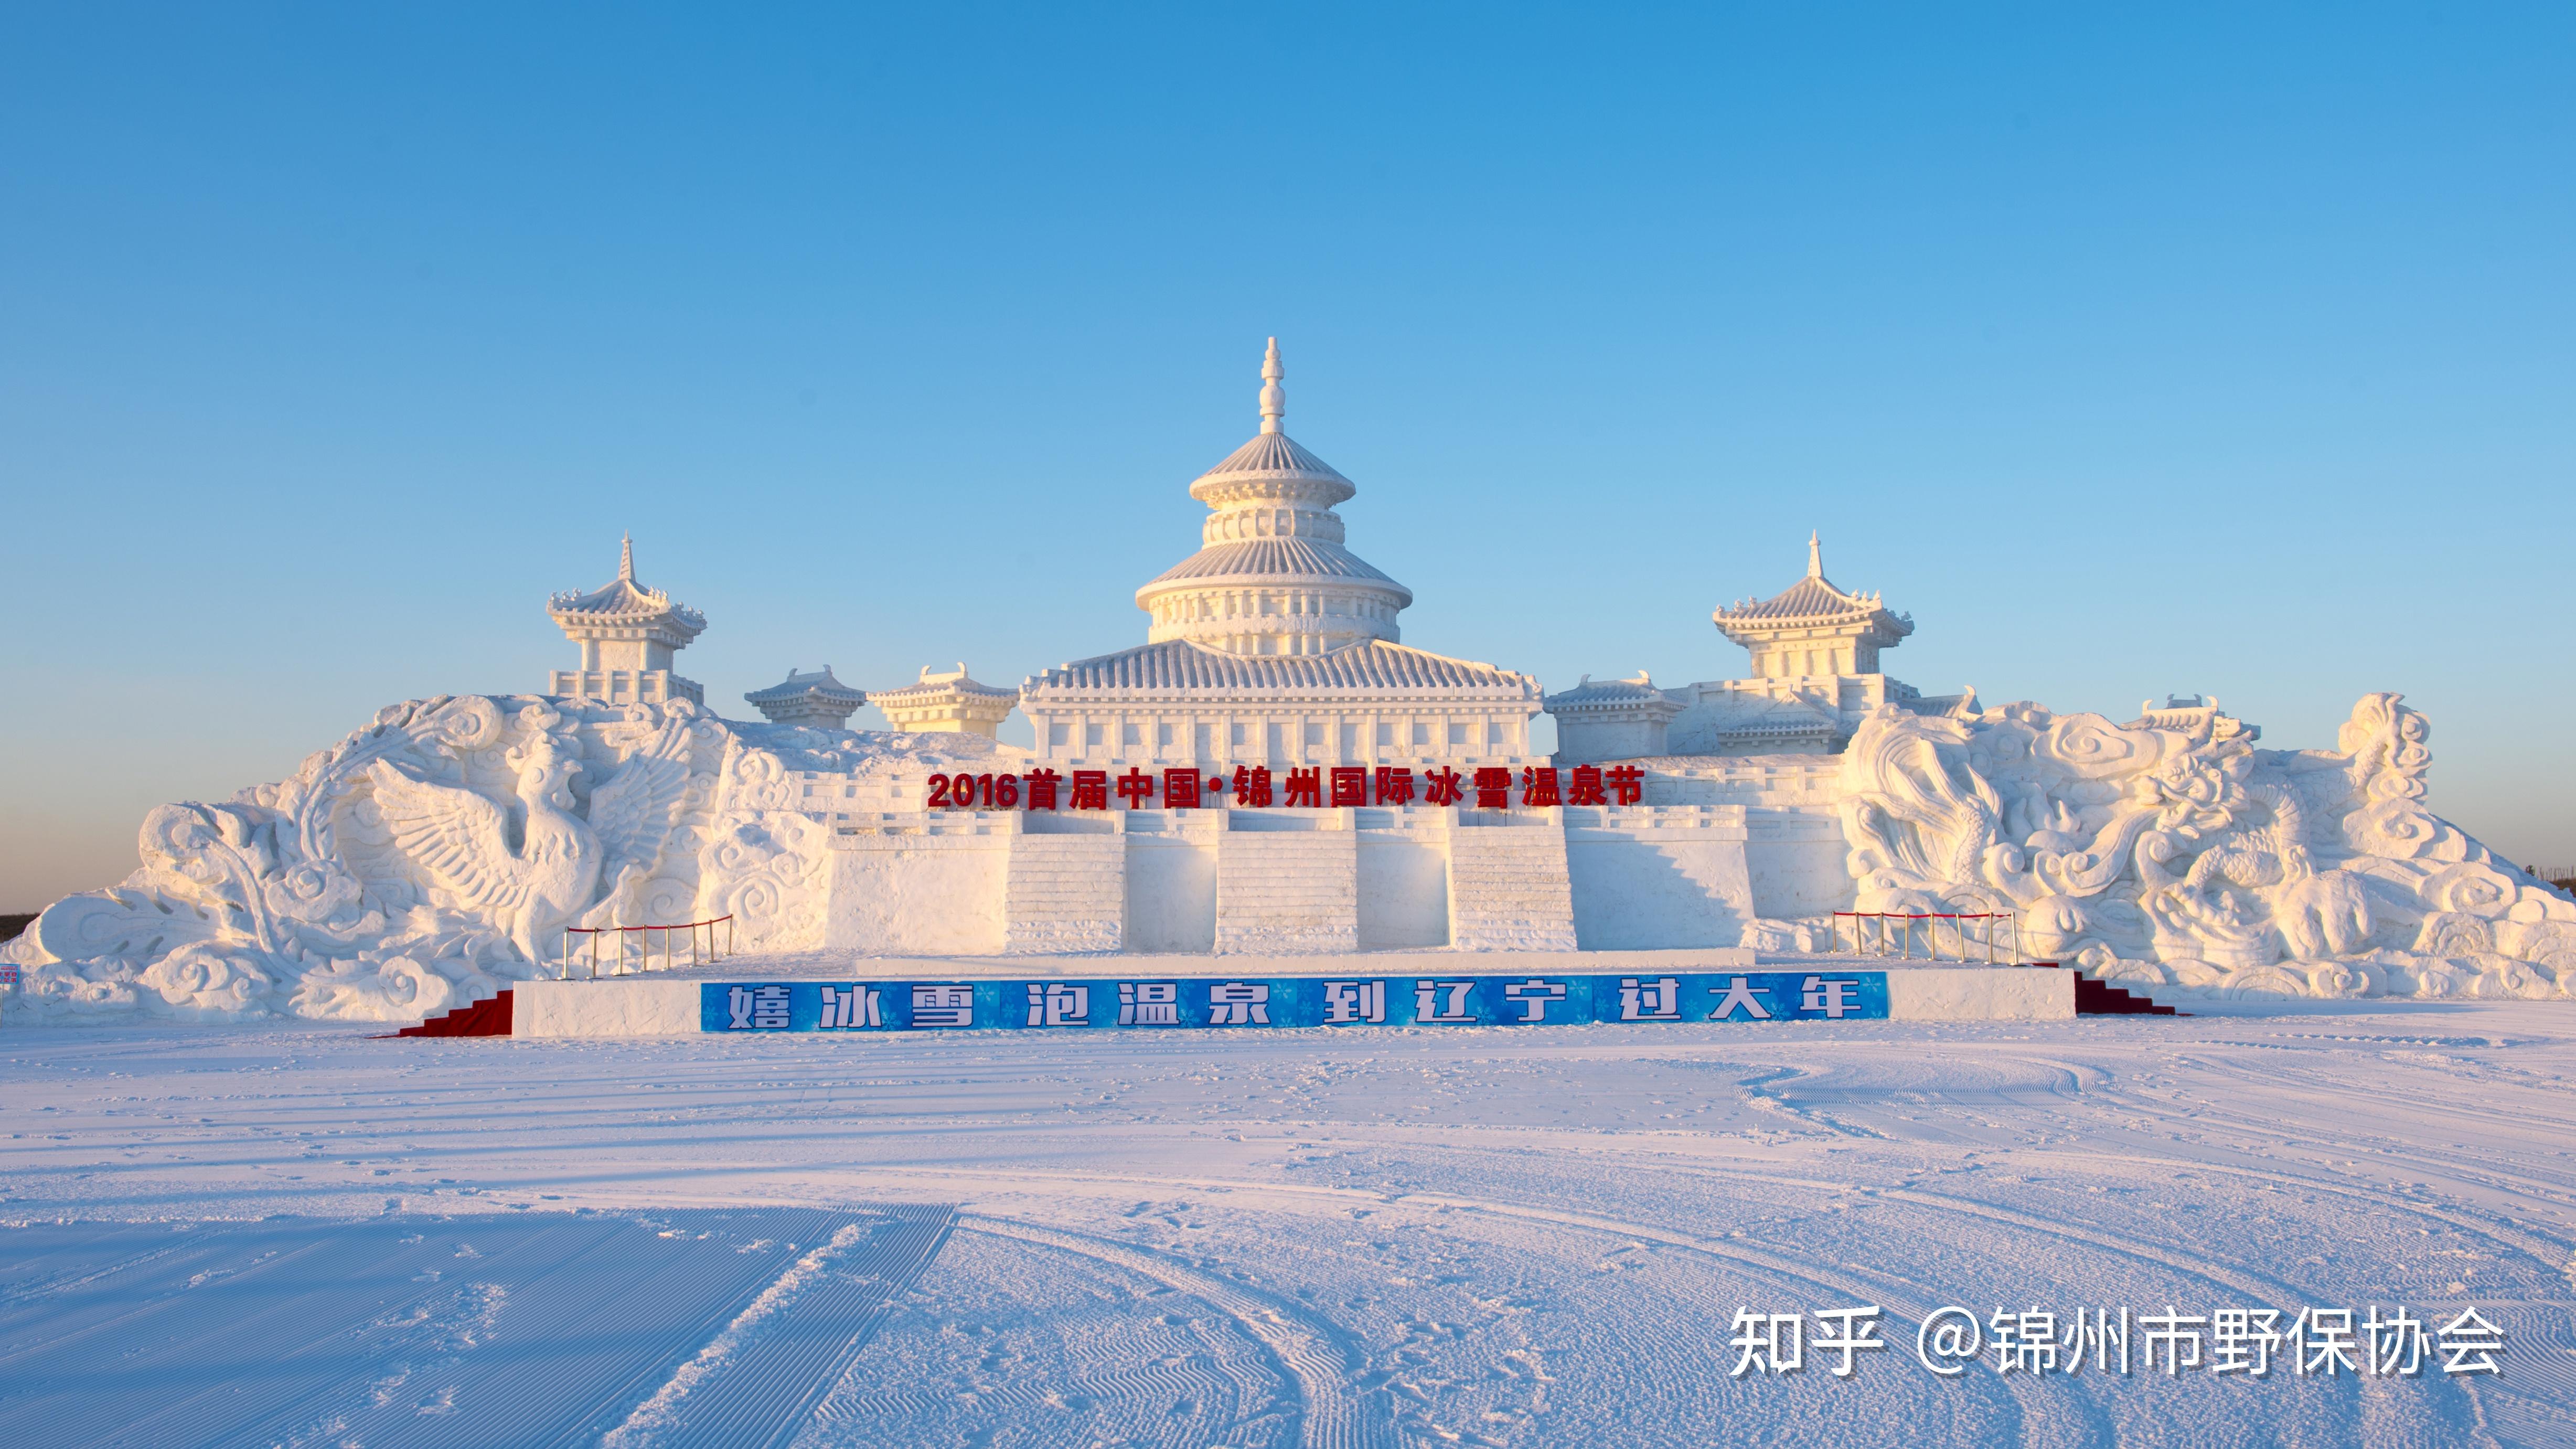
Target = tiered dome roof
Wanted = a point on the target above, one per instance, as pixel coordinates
(1273, 455)
(1272, 575)
(1275, 559)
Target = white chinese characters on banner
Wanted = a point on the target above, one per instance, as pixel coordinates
(849, 1007)
(762, 1008)
(1652, 1001)
(1439, 1002)
(1059, 1004)
(943, 1005)
(1347, 1002)
(1238, 1003)
(1834, 998)
(1741, 995)
(1533, 996)
(1149, 1003)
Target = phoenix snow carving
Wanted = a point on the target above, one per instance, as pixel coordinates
(431, 857)
(531, 878)
(540, 872)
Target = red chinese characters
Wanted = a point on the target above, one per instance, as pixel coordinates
(1091, 789)
(1307, 787)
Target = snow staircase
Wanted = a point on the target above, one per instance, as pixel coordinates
(2101, 998)
(1065, 893)
(488, 1017)
(1508, 889)
(1288, 892)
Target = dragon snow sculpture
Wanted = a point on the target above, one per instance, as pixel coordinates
(2186, 858)
(428, 859)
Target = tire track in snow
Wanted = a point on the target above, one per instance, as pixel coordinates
(2036, 1417)
(2483, 1173)
(1331, 1413)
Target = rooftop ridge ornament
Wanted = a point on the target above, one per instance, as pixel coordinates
(1815, 555)
(1274, 398)
(626, 558)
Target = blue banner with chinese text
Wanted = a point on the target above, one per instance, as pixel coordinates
(1228, 1002)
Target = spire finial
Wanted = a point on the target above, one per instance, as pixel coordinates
(1815, 556)
(626, 559)
(1274, 398)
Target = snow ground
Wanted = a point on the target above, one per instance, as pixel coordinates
(1405, 1237)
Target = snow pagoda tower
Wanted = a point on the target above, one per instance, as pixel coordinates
(946, 701)
(812, 697)
(1815, 677)
(627, 635)
(1274, 644)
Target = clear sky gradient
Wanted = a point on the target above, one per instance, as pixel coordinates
(2173, 349)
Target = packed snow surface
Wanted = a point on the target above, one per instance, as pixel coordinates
(1392, 1237)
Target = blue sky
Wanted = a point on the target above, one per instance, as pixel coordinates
(2220, 349)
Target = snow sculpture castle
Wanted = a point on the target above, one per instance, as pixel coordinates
(1274, 772)
(1274, 663)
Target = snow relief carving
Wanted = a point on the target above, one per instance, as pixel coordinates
(432, 857)
(2187, 861)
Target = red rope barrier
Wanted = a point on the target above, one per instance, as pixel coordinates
(1958, 927)
(674, 926)
(668, 958)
